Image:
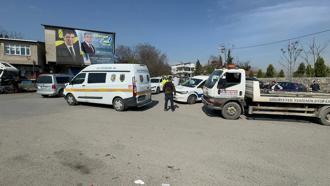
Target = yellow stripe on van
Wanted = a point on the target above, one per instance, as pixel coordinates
(97, 90)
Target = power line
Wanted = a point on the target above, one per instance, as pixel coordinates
(283, 40)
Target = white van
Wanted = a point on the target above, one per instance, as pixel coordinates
(191, 90)
(120, 85)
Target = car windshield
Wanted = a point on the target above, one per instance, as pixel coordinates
(191, 82)
(213, 78)
(155, 80)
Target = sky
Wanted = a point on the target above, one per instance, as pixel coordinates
(184, 30)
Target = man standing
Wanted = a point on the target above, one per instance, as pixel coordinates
(315, 86)
(169, 90)
(68, 52)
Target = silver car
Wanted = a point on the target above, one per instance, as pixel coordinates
(52, 84)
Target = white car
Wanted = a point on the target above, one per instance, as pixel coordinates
(191, 90)
(156, 85)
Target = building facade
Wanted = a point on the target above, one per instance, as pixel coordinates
(27, 56)
(183, 69)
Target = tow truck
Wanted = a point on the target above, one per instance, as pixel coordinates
(228, 90)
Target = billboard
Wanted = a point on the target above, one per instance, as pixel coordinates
(78, 47)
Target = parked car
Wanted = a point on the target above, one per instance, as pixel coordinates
(292, 87)
(28, 85)
(156, 85)
(191, 90)
(120, 85)
(52, 84)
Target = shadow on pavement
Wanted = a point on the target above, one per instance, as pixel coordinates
(136, 109)
(211, 113)
(300, 119)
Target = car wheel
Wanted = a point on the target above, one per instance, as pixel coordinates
(192, 99)
(158, 90)
(44, 96)
(118, 104)
(71, 100)
(325, 117)
(231, 111)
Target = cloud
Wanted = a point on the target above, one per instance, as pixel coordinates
(276, 22)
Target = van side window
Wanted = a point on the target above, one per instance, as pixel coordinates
(148, 78)
(96, 77)
(122, 77)
(62, 80)
(79, 79)
(141, 78)
(113, 77)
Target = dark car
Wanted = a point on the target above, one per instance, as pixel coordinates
(292, 87)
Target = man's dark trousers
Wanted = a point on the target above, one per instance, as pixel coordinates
(169, 97)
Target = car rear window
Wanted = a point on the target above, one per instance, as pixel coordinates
(62, 80)
(45, 79)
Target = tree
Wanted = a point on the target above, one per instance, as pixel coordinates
(229, 58)
(260, 74)
(309, 71)
(281, 74)
(198, 68)
(145, 54)
(300, 71)
(251, 74)
(270, 72)
(290, 56)
(320, 68)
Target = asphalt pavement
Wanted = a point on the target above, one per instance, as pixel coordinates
(44, 141)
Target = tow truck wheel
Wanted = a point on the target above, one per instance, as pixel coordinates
(71, 100)
(231, 111)
(192, 99)
(325, 117)
(118, 104)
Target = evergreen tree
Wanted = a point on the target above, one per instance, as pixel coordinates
(309, 71)
(281, 74)
(260, 74)
(198, 68)
(270, 73)
(229, 58)
(320, 68)
(300, 71)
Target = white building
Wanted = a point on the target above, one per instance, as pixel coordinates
(183, 69)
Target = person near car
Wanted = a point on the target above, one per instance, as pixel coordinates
(275, 86)
(169, 91)
(315, 86)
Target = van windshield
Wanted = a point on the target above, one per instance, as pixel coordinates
(191, 82)
(155, 80)
(213, 78)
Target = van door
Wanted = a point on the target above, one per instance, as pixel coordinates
(96, 88)
(143, 87)
(76, 86)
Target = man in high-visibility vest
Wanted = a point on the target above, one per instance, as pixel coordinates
(164, 80)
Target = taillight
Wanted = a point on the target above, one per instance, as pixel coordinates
(134, 87)
(53, 86)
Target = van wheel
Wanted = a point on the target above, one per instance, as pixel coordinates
(192, 99)
(158, 90)
(71, 100)
(44, 96)
(231, 111)
(325, 117)
(60, 93)
(118, 104)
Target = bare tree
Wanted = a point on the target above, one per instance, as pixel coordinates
(290, 56)
(313, 51)
(10, 34)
